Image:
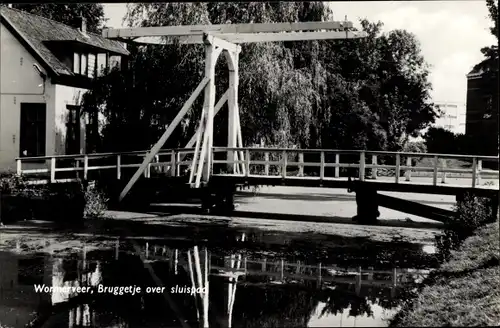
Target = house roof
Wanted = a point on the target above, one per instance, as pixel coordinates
(475, 72)
(36, 32)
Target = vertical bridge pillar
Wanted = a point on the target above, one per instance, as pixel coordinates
(233, 110)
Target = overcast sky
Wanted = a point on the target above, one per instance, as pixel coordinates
(451, 34)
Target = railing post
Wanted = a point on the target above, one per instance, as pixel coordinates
(359, 281)
(443, 172)
(282, 269)
(408, 170)
(212, 157)
(474, 171)
(85, 167)
(19, 167)
(322, 166)
(301, 164)
(52, 169)
(247, 162)
(398, 167)
(394, 277)
(435, 172)
(284, 162)
(118, 166)
(77, 164)
(319, 273)
(479, 168)
(362, 166)
(173, 164)
(266, 166)
(178, 161)
(337, 165)
(147, 171)
(374, 169)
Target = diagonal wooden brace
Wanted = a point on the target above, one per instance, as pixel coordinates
(156, 148)
(192, 141)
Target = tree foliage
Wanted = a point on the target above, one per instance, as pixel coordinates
(490, 63)
(68, 13)
(352, 94)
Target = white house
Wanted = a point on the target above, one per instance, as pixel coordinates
(45, 69)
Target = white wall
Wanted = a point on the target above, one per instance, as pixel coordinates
(19, 83)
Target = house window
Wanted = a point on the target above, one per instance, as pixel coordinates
(115, 62)
(101, 63)
(84, 70)
(91, 65)
(73, 130)
(91, 132)
(33, 127)
(76, 63)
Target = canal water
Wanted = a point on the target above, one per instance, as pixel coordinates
(256, 279)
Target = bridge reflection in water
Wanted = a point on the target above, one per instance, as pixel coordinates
(238, 290)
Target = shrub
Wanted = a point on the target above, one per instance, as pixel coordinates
(96, 202)
(472, 212)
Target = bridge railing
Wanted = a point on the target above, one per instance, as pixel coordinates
(66, 168)
(280, 162)
(335, 164)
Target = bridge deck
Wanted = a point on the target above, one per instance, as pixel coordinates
(416, 185)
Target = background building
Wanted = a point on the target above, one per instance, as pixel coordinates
(482, 112)
(453, 116)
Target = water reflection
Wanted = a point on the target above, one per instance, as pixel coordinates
(235, 289)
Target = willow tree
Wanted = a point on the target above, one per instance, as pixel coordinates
(361, 94)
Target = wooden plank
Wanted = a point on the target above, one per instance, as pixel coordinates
(301, 164)
(135, 32)
(118, 167)
(232, 102)
(284, 158)
(374, 163)
(192, 141)
(209, 105)
(328, 182)
(156, 148)
(337, 166)
(300, 36)
(415, 208)
(398, 168)
(474, 172)
(221, 43)
(362, 162)
(322, 166)
(255, 37)
(435, 171)
(408, 171)
(53, 169)
(196, 155)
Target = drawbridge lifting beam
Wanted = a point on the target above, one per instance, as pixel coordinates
(237, 33)
(186, 30)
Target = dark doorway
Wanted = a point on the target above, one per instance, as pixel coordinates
(33, 129)
(73, 130)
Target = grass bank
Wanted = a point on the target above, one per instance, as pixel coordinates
(464, 291)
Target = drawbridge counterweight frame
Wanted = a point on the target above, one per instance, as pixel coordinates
(220, 39)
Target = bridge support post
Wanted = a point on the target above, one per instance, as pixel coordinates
(366, 202)
(233, 109)
(209, 104)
